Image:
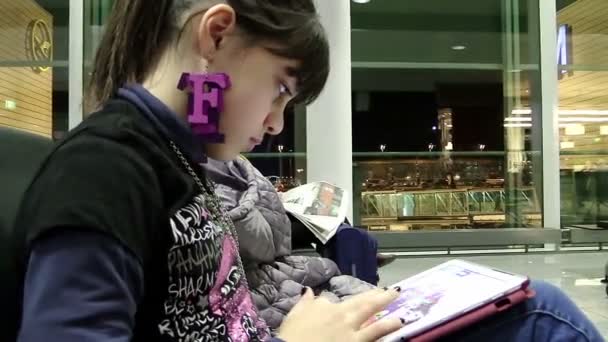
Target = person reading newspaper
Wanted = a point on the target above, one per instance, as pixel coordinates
(320, 208)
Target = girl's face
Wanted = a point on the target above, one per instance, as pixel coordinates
(255, 103)
(261, 83)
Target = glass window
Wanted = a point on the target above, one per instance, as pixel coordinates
(33, 66)
(446, 114)
(583, 110)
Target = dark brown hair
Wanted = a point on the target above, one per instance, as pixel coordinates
(138, 32)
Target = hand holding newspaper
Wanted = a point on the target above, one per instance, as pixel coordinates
(320, 206)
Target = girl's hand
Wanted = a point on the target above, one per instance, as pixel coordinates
(317, 319)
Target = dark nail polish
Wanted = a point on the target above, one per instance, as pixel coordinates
(398, 288)
(385, 288)
(304, 289)
(402, 321)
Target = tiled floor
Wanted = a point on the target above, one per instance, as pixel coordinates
(569, 271)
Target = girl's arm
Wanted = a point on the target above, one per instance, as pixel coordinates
(80, 286)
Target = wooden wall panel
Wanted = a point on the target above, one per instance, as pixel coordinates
(30, 90)
(586, 89)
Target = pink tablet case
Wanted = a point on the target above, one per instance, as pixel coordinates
(499, 305)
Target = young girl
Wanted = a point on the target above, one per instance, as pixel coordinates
(122, 237)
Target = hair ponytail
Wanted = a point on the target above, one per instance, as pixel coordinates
(136, 33)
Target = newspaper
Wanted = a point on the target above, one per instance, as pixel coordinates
(320, 206)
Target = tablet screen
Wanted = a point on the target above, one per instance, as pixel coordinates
(446, 292)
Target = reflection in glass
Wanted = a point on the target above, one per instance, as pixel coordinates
(583, 111)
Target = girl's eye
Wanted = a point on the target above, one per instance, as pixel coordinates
(284, 90)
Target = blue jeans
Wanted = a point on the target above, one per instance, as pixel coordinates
(549, 316)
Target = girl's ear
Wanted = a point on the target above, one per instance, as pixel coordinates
(216, 24)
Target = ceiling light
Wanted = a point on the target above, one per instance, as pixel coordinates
(457, 47)
(518, 118)
(583, 112)
(517, 125)
(593, 112)
(361, 1)
(576, 129)
(583, 119)
(566, 144)
(10, 104)
(521, 111)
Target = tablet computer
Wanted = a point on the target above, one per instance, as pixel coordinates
(451, 296)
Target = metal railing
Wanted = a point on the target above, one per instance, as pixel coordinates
(443, 203)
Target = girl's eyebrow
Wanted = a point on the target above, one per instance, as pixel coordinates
(291, 71)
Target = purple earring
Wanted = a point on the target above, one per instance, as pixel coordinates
(205, 103)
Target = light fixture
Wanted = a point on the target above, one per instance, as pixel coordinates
(576, 129)
(582, 112)
(518, 118)
(566, 144)
(592, 112)
(434, 128)
(458, 47)
(517, 125)
(10, 105)
(361, 1)
(583, 119)
(523, 111)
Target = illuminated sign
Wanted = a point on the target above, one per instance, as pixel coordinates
(564, 50)
(39, 45)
